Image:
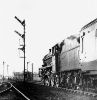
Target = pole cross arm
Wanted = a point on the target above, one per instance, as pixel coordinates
(22, 22)
(21, 35)
(22, 48)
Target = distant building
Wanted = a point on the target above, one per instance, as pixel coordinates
(28, 76)
(18, 75)
(36, 77)
(1, 76)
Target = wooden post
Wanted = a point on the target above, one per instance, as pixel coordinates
(32, 71)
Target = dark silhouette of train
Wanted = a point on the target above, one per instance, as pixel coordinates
(72, 63)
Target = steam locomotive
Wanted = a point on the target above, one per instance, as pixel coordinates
(72, 63)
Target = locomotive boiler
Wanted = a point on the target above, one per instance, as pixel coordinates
(72, 63)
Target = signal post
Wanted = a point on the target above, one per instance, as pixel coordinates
(23, 37)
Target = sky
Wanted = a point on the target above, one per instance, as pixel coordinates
(47, 23)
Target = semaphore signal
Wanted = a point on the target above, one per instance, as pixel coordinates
(23, 37)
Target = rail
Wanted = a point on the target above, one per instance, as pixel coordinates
(13, 87)
(20, 92)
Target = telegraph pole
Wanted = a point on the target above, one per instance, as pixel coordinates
(27, 69)
(3, 70)
(23, 37)
(24, 50)
(27, 66)
(7, 71)
(32, 71)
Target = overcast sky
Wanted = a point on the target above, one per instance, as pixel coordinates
(47, 23)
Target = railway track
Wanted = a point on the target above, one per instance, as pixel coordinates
(79, 92)
(34, 91)
(11, 88)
